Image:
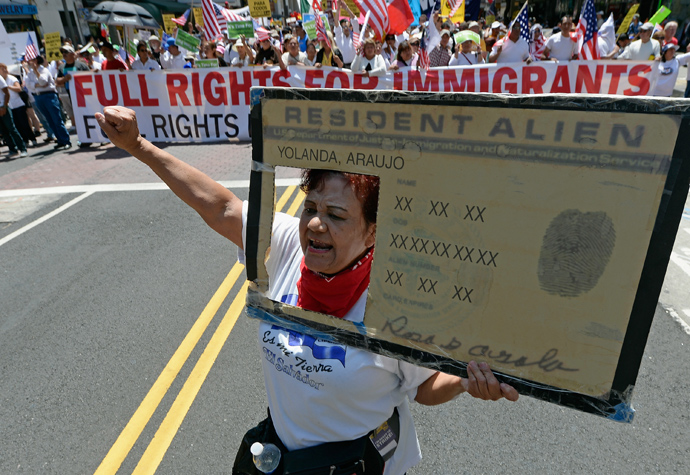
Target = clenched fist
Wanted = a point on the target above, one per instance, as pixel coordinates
(120, 125)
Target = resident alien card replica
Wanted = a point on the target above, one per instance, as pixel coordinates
(531, 232)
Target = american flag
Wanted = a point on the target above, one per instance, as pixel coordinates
(492, 8)
(378, 19)
(212, 28)
(262, 34)
(355, 38)
(321, 30)
(537, 43)
(454, 5)
(30, 52)
(587, 32)
(182, 21)
(423, 60)
(523, 19)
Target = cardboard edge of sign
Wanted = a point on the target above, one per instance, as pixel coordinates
(616, 404)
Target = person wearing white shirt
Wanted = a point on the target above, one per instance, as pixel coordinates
(7, 129)
(344, 36)
(369, 64)
(645, 48)
(512, 49)
(18, 106)
(560, 46)
(464, 56)
(144, 61)
(230, 55)
(47, 101)
(668, 67)
(173, 58)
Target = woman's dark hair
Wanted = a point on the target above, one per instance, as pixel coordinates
(366, 188)
(40, 60)
(404, 46)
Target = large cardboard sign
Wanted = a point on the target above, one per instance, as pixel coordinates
(533, 235)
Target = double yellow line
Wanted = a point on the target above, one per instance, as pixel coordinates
(155, 451)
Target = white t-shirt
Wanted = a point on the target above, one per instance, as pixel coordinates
(639, 51)
(668, 73)
(345, 44)
(15, 100)
(560, 47)
(512, 52)
(151, 65)
(324, 392)
(3, 85)
(289, 60)
(465, 59)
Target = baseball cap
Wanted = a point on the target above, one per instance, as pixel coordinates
(154, 38)
(66, 48)
(647, 26)
(445, 32)
(171, 42)
(667, 47)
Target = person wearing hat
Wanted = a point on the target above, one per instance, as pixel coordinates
(560, 46)
(189, 61)
(634, 27)
(243, 54)
(477, 28)
(112, 60)
(144, 61)
(496, 28)
(511, 49)
(209, 48)
(464, 56)
(155, 45)
(645, 49)
(440, 55)
(230, 52)
(62, 81)
(600, 19)
(669, 65)
(173, 58)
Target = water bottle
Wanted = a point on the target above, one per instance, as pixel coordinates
(266, 457)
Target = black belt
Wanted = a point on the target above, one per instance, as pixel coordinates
(44, 92)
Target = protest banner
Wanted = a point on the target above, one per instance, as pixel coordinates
(533, 235)
(53, 46)
(174, 105)
(660, 15)
(187, 41)
(206, 63)
(168, 24)
(198, 16)
(239, 28)
(628, 18)
(259, 8)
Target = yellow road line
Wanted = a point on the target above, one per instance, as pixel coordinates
(129, 435)
(168, 429)
(156, 450)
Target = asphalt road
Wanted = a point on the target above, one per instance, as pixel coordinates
(119, 346)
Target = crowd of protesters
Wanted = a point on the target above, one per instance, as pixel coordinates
(38, 94)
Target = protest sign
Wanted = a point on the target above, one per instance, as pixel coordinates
(170, 102)
(187, 41)
(530, 235)
(351, 5)
(206, 63)
(168, 24)
(259, 8)
(660, 16)
(53, 46)
(467, 35)
(198, 16)
(628, 18)
(309, 24)
(446, 9)
(239, 28)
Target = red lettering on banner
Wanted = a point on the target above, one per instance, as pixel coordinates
(450, 80)
(616, 71)
(177, 86)
(415, 83)
(311, 75)
(509, 87)
(467, 83)
(584, 77)
(359, 83)
(144, 88)
(100, 91)
(561, 83)
(79, 82)
(196, 90)
(484, 80)
(397, 81)
(236, 87)
(262, 76)
(529, 84)
(279, 76)
(638, 81)
(341, 76)
(127, 100)
(220, 98)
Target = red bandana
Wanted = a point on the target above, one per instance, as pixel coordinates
(337, 294)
